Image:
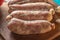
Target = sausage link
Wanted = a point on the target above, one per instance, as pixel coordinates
(31, 15)
(30, 27)
(31, 6)
(24, 1)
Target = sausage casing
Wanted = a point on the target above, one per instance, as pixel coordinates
(30, 27)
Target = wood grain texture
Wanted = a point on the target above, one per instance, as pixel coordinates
(8, 35)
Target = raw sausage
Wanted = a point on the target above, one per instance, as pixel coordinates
(31, 15)
(30, 27)
(31, 6)
(24, 1)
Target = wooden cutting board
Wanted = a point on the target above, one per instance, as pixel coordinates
(8, 35)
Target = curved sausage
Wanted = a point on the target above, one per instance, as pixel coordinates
(31, 6)
(30, 27)
(24, 1)
(31, 15)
